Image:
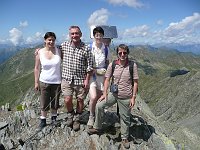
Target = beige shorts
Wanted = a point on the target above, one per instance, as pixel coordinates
(98, 83)
(69, 89)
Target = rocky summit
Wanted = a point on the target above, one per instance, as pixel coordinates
(18, 130)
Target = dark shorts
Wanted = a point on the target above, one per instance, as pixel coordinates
(50, 94)
(69, 89)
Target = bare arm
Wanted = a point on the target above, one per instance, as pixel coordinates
(87, 79)
(90, 64)
(135, 88)
(60, 52)
(37, 71)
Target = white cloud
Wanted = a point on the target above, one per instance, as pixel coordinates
(130, 3)
(2, 41)
(99, 17)
(38, 34)
(38, 37)
(139, 31)
(16, 36)
(184, 32)
(159, 22)
(23, 24)
(189, 25)
(135, 35)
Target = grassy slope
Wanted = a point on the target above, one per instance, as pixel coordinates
(171, 98)
(16, 76)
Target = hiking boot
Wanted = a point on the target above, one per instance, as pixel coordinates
(69, 120)
(94, 131)
(42, 124)
(53, 120)
(76, 125)
(90, 122)
(126, 143)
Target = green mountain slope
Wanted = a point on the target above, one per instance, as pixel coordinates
(169, 82)
(16, 76)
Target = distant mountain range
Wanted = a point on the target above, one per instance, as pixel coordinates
(193, 48)
(6, 51)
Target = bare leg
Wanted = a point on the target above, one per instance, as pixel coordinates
(43, 114)
(99, 93)
(93, 100)
(68, 103)
(80, 105)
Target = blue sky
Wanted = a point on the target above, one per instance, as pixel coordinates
(137, 21)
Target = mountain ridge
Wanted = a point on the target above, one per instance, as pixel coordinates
(172, 99)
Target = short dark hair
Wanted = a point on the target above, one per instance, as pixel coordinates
(49, 34)
(98, 29)
(77, 27)
(122, 46)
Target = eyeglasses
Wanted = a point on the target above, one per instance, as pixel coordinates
(124, 53)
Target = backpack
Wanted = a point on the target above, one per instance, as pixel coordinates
(130, 63)
(106, 53)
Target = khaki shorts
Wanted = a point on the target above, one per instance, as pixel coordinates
(98, 83)
(69, 89)
(50, 94)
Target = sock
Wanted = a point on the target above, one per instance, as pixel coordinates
(42, 117)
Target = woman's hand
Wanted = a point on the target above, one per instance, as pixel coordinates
(37, 87)
(103, 97)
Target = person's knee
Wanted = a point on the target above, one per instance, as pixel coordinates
(68, 99)
(92, 96)
(93, 99)
(99, 106)
(79, 100)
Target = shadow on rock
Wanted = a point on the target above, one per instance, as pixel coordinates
(140, 130)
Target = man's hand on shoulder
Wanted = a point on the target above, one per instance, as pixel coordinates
(37, 50)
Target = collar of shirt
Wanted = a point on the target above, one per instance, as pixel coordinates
(95, 48)
(79, 46)
(117, 62)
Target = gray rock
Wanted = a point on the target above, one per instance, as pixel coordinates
(3, 125)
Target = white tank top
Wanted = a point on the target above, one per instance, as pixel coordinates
(50, 68)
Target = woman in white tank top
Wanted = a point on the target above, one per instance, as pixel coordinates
(47, 74)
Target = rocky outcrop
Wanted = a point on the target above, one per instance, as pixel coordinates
(19, 131)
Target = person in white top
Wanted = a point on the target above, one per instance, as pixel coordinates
(47, 74)
(101, 54)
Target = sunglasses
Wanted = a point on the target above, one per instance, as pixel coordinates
(124, 53)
